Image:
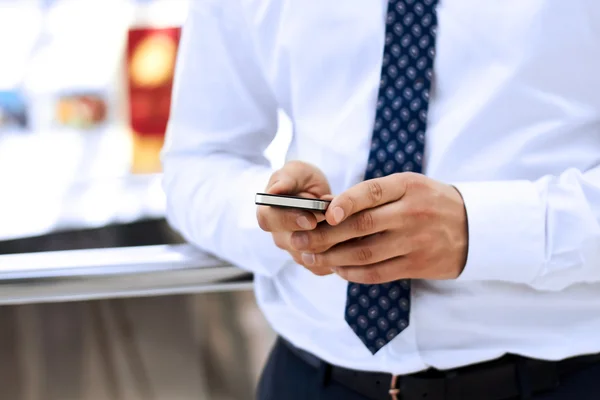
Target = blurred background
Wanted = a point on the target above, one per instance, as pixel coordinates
(84, 103)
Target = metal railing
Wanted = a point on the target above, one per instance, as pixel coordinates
(114, 272)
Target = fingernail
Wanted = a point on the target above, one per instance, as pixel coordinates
(308, 258)
(300, 240)
(303, 222)
(338, 214)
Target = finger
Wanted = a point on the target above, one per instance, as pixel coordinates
(283, 185)
(382, 272)
(319, 216)
(319, 271)
(284, 180)
(367, 194)
(273, 219)
(365, 223)
(307, 195)
(297, 176)
(366, 251)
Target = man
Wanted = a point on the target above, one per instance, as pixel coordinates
(459, 142)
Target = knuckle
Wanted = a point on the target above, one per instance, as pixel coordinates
(412, 177)
(363, 254)
(275, 176)
(318, 240)
(422, 211)
(352, 203)
(349, 203)
(364, 222)
(415, 181)
(372, 275)
(294, 164)
(375, 191)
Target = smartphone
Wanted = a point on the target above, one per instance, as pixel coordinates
(302, 203)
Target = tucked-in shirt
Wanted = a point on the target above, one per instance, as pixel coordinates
(514, 123)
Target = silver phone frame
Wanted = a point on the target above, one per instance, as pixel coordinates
(291, 202)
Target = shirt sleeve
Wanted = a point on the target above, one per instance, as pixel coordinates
(223, 117)
(545, 233)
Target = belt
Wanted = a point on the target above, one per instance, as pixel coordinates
(509, 377)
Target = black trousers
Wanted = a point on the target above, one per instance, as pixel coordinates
(287, 377)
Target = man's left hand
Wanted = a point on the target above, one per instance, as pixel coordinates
(401, 226)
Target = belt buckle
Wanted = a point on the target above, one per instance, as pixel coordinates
(394, 391)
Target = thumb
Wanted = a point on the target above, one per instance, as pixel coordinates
(288, 180)
(283, 185)
(296, 177)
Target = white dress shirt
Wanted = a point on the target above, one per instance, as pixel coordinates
(514, 122)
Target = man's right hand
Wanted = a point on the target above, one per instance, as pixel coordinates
(296, 178)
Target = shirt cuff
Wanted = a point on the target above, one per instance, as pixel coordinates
(506, 222)
(255, 249)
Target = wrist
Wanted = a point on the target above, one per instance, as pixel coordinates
(462, 228)
(506, 231)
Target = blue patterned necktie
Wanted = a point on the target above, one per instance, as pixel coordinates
(378, 313)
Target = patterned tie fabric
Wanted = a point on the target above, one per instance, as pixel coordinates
(378, 313)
